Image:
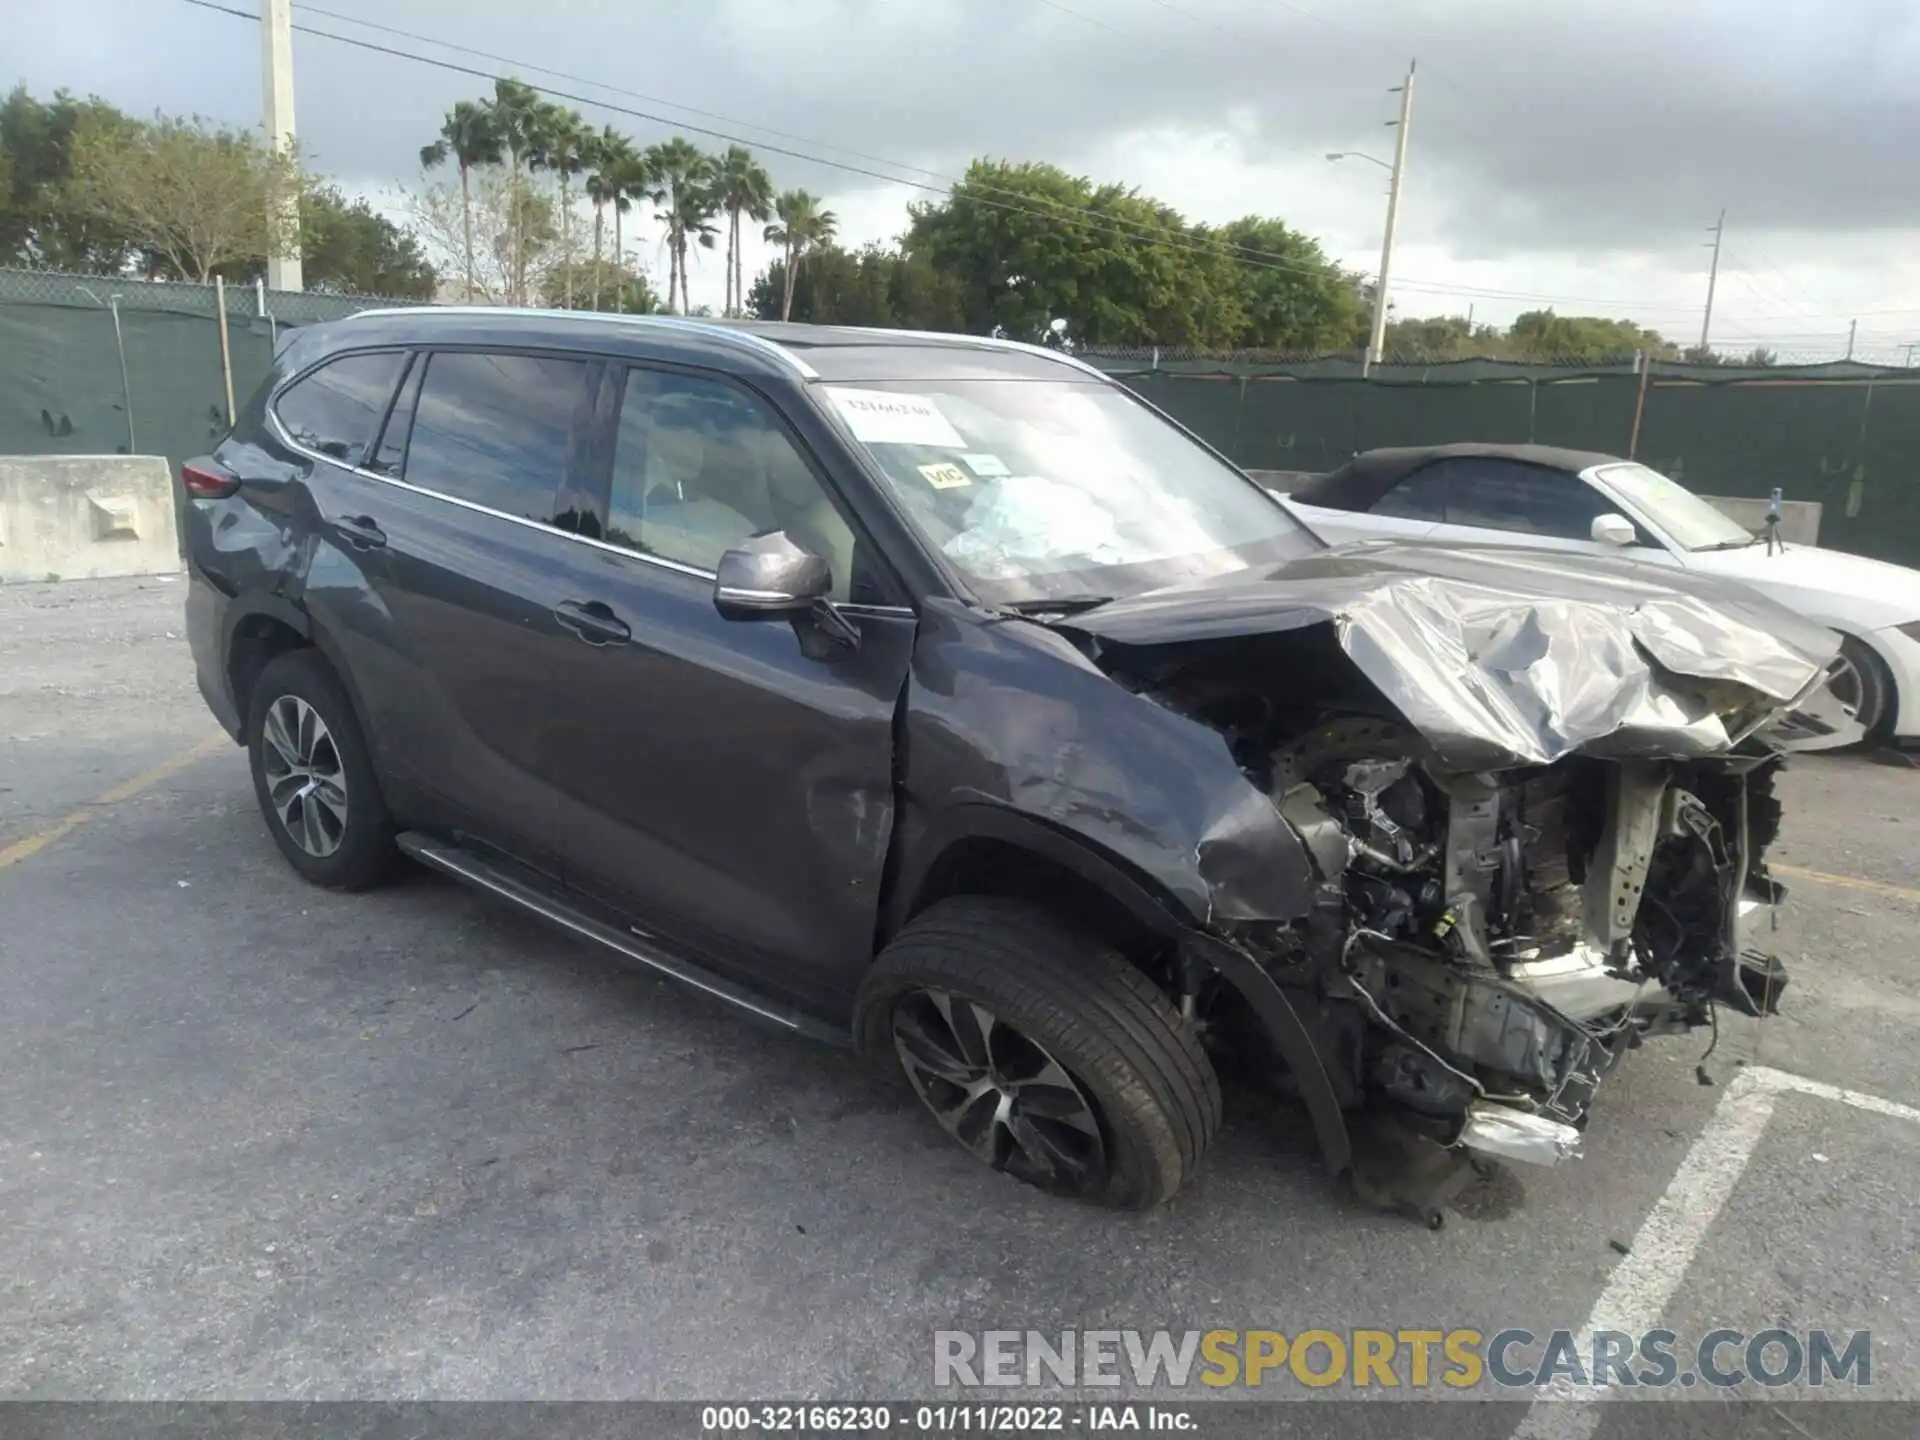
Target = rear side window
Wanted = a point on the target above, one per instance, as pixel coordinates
(1420, 496)
(496, 430)
(335, 410)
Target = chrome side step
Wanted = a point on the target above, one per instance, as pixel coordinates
(497, 879)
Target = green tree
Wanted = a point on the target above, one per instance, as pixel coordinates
(1544, 335)
(682, 182)
(44, 220)
(347, 248)
(197, 195)
(516, 113)
(467, 138)
(565, 149)
(743, 188)
(800, 225)
(628, 288)
(1291, 295)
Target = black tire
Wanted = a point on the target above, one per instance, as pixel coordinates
(1140, 1067)
(363, 852)
(1876, 701)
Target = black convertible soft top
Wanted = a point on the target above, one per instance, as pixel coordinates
(1371, 473)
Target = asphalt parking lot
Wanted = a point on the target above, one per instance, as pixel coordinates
(261, 1141)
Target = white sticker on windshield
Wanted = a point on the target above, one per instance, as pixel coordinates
(987, 466)
(883, 417)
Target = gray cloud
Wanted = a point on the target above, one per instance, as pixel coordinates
(1572, 127)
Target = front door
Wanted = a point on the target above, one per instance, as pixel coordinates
(732, 781)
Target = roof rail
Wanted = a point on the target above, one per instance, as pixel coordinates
(742, 339)
(984, 342)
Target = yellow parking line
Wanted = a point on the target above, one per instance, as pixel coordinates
(33, 844)
(1848, 882)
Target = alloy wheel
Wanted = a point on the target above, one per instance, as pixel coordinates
(305, 780)
(1847, 686)
(999, 1093)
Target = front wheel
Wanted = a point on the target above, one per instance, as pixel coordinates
(1042, 1051)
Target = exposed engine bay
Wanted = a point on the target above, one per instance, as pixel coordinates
(1486, 946)
(1535, 829)
(1507, 936)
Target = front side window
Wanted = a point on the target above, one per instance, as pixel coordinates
(1039, 490)
(700, 466)
(334, 410)
(496, 430)
(1522, 499)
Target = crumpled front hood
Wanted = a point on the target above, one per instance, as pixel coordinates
(1504, 657)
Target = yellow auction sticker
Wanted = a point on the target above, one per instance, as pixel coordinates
(945, 477)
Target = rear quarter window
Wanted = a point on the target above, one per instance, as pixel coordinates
(334, 411)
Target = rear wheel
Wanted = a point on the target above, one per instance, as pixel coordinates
(313, 775)
(1042, 1051)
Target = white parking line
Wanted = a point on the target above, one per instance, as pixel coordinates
(1641, 1285)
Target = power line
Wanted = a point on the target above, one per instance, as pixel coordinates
(1055, 5)
(1247, 255)
(1114, 225)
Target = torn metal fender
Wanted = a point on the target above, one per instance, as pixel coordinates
(1011, 715)
(1290, 1038)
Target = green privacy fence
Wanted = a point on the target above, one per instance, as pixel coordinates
(1846, 436)
(106, 365)
(93, 365)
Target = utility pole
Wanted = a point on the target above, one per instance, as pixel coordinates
(1910, 349)
(276, 40)
(1377, 344)
(1713, 276)
(1853, 329)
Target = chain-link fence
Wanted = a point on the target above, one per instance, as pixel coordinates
(108, 364)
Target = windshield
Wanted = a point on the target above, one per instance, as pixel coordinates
(1061, 490)
(1690, 522)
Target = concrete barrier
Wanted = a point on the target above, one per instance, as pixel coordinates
(83, 517)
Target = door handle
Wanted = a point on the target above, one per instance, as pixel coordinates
(361, 532)
(593, 622)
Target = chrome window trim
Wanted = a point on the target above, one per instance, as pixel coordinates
(742, 339)
(280, 433)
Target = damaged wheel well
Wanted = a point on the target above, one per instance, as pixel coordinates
(257, 639)
(1112, 907)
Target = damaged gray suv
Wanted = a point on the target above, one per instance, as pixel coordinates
(937, 695)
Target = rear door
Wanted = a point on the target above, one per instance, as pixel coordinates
(475, 519)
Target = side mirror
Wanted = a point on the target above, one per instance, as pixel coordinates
(770, 578)
(1614, 530)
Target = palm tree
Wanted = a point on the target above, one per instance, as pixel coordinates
(515, 114)
(743, 187)
(800, 226)
(681, 175)
(612, 160)
(566, 148)
(467, 138)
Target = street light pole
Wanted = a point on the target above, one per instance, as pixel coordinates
(1377, 344)
(1713, 277)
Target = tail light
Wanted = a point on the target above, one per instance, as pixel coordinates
(207, 480)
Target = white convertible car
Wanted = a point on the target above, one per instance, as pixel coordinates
(1547, 498)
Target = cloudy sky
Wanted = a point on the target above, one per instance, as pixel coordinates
(1571, 153)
